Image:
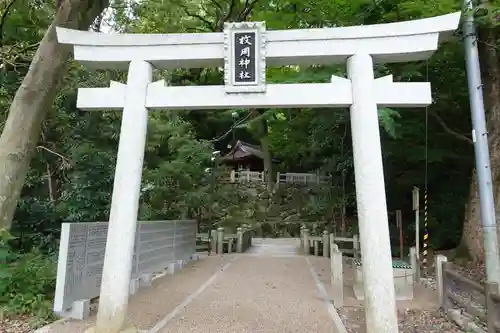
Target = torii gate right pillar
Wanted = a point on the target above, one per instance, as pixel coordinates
(380, 305)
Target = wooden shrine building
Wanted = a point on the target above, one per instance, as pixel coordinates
(245, 156)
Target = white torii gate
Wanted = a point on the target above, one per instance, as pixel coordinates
(359, 46)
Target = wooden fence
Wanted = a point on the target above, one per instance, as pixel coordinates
(471, 305)
(247, 176)
(300, 178)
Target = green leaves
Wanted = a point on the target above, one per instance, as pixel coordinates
(388, 120)
(21, 293)
(486, 13)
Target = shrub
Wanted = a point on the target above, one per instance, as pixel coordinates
(27, 283)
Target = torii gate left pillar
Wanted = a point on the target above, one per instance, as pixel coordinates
(360, 46)
(113, 299)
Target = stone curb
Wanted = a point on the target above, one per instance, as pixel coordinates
(338, 324)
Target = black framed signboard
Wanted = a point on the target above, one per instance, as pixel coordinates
(244, 59)
(245, 66)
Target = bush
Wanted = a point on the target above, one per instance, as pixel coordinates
(27, 283)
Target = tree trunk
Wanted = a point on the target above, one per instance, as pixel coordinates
(268, 163)
(472, 236)
(263, 132)
(34, 98)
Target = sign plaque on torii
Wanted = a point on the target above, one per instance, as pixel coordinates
(245, 57)
(244, 49)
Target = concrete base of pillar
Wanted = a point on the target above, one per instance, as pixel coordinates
(145, 280)
(403, 280)
(79, 310)
(171, 268)
(402, 293)
(134, 286)
(180, 264)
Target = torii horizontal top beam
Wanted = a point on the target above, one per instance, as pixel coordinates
(387, 43)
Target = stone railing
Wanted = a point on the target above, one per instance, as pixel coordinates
(219, 242)
(160, 247)
(319, 245)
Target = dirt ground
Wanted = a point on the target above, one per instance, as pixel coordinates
(420, 315)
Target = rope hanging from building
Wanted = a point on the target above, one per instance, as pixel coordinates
(425, 262)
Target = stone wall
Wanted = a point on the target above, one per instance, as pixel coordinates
(81, 257)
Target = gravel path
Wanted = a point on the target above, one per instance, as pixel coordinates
(20, 325)
(267, 291)
(151, 304)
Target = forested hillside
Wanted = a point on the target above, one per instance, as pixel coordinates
(71, 161)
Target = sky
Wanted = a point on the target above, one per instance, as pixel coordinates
(107, 24)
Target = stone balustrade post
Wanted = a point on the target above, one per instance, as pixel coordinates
(326, 243)
(213, 241)
(440, 259)
(248, 239)
(356, 247)
(239, 240)
(302, 227)
(220, 240)
(306, 241)
(415, 266)
(336, 276)
(247, 236)
(244, 243)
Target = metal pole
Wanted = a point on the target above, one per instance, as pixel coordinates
(416, 207)
(234, 115)
(234, 133)
(425, 263)
(211, 201)
(417, 233)
(480, 139)
(211, 223)
(399, 221)
(417, 242)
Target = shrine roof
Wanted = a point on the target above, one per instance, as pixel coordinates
(242, 150)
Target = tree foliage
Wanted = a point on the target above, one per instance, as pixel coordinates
(71, 173)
